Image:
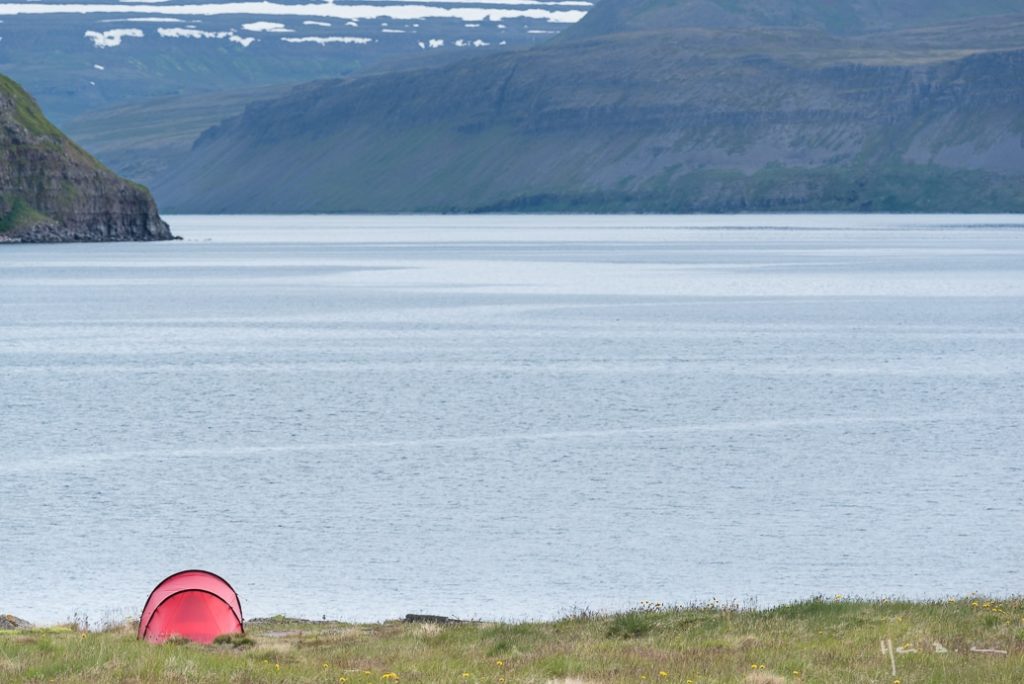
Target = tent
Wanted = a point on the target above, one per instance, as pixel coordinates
(192, 604)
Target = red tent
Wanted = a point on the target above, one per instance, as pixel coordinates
(192, 604)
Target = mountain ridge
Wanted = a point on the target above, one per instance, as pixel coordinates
(682, 119)
(115, 54)
(833, 16)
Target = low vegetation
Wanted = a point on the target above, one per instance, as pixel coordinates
(20, 215)
(835, 640)
(26, 111)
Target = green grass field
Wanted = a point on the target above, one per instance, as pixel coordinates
(817, 641)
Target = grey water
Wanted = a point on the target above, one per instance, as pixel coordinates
(511, 417)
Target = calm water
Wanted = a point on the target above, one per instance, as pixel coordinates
(510, 417)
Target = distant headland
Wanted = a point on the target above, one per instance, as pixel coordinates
(53, 191)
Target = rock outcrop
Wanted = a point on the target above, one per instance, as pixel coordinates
(53, 191)
(12, 622)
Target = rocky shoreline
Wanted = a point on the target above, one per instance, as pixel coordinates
(50, 233)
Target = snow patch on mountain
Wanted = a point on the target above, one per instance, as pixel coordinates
(198, 34)
(324, 40)
(113, 37)
(267, 27)
(150, 20)
(329, 10)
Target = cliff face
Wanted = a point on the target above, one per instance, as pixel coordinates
(674, 120)
(53, 191)
(845, 17)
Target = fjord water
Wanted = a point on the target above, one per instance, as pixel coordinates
(507, 417)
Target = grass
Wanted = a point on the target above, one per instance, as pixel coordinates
(883, 187)
(815, 641)
(20, 215)
(26, 111)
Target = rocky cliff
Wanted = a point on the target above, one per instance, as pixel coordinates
(53, 191)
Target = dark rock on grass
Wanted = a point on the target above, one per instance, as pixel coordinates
(436, 619)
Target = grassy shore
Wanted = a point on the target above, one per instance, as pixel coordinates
(831, 640)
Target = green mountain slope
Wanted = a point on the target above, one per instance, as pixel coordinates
(53, 191)
(147, 138)
(143, 140)
(682, 119)
(100, 57)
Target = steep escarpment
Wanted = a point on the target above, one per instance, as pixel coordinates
(928, 119)
(53, 191)
(845, 17)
